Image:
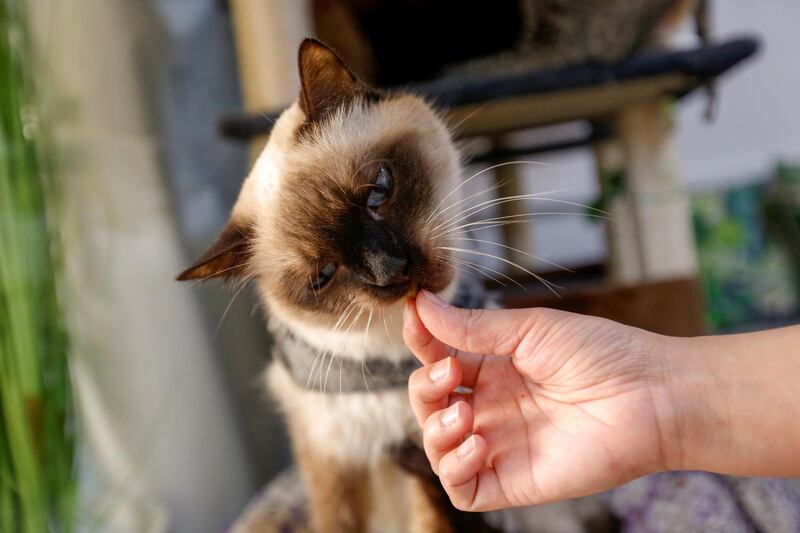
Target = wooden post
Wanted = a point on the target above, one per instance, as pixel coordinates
(659, 204)
(625, 264)
(267, 34)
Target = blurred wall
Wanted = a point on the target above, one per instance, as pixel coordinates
(193, 80)
(162, 446)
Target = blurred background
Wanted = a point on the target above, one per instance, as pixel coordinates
(131, 402)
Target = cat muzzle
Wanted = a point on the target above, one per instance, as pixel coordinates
(387, 270)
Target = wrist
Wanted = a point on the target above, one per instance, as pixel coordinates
(693, 409)
(681, 400)
(728, 404)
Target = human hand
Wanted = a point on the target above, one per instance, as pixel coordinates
(562, 405)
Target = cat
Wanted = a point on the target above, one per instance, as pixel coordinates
(332, 225)
(343, 216)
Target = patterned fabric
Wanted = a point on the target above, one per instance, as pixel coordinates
(703, 502)
(676, 501)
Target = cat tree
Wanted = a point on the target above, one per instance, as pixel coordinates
(651, 270)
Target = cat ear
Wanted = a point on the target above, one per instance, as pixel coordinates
(227, 257)
(326, 82)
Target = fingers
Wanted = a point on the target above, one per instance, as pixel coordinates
(458, 469)
(444, 430)
(419, 340)
(459, 459)
(428, 349)
(470, 483)
(429, 387)
(494, 332)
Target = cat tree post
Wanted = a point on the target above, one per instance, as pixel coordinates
(267, 34)
(658, 203)
(624, 258)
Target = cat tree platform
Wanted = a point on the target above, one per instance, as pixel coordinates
(651, 264)
(525, 99)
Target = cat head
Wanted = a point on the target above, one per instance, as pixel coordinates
(339, 207)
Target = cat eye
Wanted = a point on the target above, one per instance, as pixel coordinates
(323, 276)
(380, 190)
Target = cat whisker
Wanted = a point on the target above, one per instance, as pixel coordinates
(495, 201)
(344, 193)
(493, 222)
(507, 199)
(321, 351)
(363, 358)
(487, 169)
(549, 285)
(386, 326)
(333, 353)
(332, 333)
(471, 114)
(468, 273)
(323, 383)
(311, 282)
(477, 268)
(538, 258)
(230, 303)
(355, 173)
(501, 274)
(440, 212)
(267, 117)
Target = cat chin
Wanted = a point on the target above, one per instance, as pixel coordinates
(391, 294)
(380, 336)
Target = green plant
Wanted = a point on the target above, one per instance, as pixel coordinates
(37, 484)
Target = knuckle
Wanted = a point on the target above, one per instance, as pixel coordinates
(430, 426)
(472, 318)
(415, 382)
(471, 326)
(459, 500)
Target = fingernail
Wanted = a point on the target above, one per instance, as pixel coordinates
(450, 415)
(440, 370)
(434, 299)
(466, 447)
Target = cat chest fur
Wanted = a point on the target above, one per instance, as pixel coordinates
(351, 428)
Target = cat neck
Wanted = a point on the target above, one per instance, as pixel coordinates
(376, 335)
(362, 335)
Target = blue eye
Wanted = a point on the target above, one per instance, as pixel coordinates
(380, 190)
(323, 276)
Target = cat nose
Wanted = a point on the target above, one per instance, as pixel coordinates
(387, 269)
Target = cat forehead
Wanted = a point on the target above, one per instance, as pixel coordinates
(342, 140)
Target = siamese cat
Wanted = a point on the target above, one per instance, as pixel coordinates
(342, 217)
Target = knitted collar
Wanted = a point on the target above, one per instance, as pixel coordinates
(356, 376)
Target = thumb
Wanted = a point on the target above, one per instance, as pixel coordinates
(483, 331)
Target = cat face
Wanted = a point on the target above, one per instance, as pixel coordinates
(339, 208)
